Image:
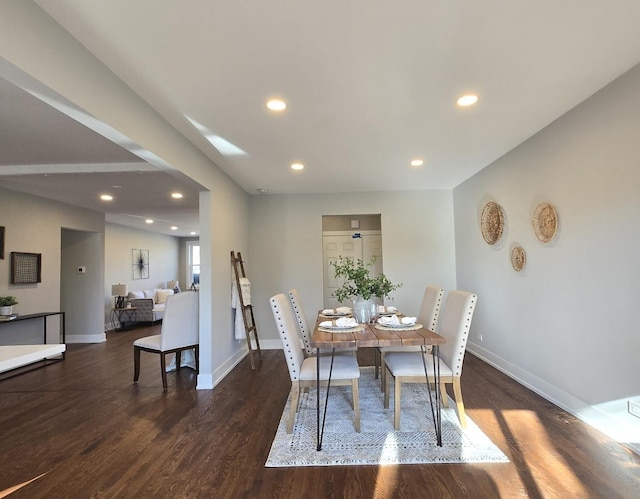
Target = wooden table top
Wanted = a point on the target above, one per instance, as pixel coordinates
(373, 337)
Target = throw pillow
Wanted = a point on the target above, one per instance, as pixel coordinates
(162, 295)
(136, 294)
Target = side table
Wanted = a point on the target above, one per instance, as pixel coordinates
(122, 316)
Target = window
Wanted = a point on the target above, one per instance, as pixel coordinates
(193, 263)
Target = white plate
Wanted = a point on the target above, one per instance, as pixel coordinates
(338, 328)
(398, 325)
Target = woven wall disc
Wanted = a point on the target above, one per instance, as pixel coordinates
(518, 258)
(545, 222)
(492, 222)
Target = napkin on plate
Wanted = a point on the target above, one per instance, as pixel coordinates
(341, 322)
(390, 320)
(334, 311)
(386, 310)
(394, 320)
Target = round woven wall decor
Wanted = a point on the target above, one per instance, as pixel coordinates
(492, 222)
(518, 258)
(545, 222)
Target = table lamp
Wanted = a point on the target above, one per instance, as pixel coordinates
(119, 291)
(172, 285)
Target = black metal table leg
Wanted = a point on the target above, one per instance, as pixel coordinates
(320, 432)
(436, 370)
(435, 413)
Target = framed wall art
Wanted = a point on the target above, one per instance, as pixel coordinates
(140, 264)
(1, 243)
(26, 268)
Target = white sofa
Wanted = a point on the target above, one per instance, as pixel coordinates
(149, 303)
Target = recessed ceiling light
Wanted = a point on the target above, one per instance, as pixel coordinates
(276, 104)
(417, 162)
(297, 166)
(192, 233)
(177, 195)
(148, 221)
(263, 191)
(173, 227)
(467, 100)
(106, 197)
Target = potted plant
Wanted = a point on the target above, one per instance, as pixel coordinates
(6, 304)
(361, 286)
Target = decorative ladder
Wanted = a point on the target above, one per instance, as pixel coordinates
(247, 310)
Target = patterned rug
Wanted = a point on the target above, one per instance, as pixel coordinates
(378, 443)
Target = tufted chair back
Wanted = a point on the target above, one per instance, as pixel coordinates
(287, 330)
(430, 309)
(301, 318)
(454, 326)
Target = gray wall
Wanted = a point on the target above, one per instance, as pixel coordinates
(79, 299)
(566, 324)
(119, 243)
(34, 225)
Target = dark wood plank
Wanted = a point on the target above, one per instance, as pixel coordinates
(93, 433)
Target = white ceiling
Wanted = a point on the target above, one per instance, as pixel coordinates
(370, 84)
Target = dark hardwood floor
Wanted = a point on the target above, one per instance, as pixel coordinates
(85, 430)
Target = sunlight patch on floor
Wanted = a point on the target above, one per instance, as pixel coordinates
(387, 477)
(549, 461)
(11, 490)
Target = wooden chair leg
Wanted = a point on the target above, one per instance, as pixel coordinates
(355, 394)
(396, 401)
(443, 393)
(457, 391)
(197, 354)
(136, 364)
(178, 360)
(376, 361)
(163, 368)
(383, 374)
(386, 387)
(295, 395)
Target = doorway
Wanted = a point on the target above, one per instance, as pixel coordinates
(349, 236)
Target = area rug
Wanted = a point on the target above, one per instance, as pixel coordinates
(377, 443)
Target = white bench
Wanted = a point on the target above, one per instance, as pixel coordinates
(14, 356)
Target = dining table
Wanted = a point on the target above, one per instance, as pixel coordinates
(377, 335)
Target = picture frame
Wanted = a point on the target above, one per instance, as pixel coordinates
(1, 243)
(26, 268)
(140, 265)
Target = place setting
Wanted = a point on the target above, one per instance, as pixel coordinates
(337, 312)
(341, 325)
(395, 322)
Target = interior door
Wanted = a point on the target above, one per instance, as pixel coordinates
(372, 246)
(362, 245)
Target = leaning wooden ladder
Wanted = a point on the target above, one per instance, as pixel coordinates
(247, 310)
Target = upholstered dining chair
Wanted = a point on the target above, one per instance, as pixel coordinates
(428, 317)
(179, 332)
(304, 329)
(408, 367)
(303, 370)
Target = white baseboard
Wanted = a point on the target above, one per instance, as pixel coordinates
(610, 425)
(209, 381)
(85, 338)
